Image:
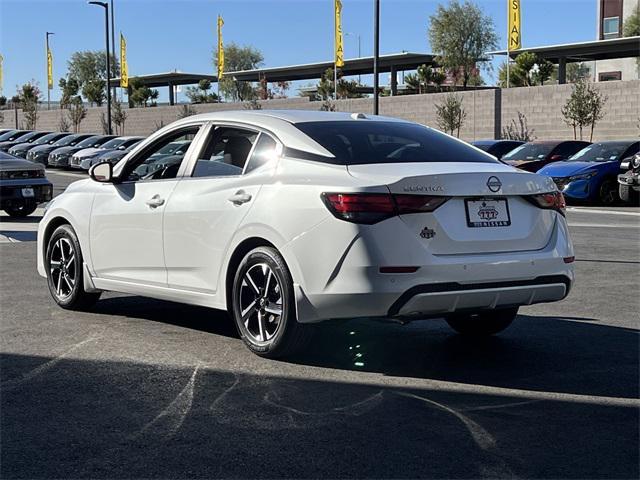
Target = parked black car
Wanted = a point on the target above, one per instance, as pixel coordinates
(60, 158)
(497, 148)
(12, 135)
(23, 185)
(114, 156)
(27, 138)
(41, 154)
(629, 182)
(20, 150)
(533, 156)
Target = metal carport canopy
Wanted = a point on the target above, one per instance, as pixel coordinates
(583, 51)
(353, 66)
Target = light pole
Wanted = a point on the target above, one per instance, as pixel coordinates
(106, 36)
(359, 49)
(48, 85)
(113, 44)
(376, 52)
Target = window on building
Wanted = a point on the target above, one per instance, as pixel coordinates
(607, 76)
(611, 27)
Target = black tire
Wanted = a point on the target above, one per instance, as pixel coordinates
(628, 194)
(21, 211)
(482, 323)
(69, 293)
(608, 192)
(264, 332)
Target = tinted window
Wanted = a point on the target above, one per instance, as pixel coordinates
(567, 149)
(601, 152)
(13, 135)
(364, 142)
(530, 151)
(70, 140)
(149, 165)
(89, 142)
(226, 152)
(264, 152)
(52, 137)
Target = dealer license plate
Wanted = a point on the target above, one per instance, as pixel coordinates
(487, 212)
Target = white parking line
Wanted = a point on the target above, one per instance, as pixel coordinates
(603, 225)
(596, 210)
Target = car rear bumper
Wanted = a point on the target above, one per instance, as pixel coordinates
(353, 286)
(11, 193)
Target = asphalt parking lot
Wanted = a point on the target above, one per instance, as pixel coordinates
(142, 388)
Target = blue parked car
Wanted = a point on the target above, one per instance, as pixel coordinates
(591, 174)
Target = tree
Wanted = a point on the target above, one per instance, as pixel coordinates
(518, 130)
(236, 58)
(186, 111)
(460, 34)
(253, 104)
(69, 88)
(528, 70)
(119, 117)
(325, 88)
(584, 107)
(77, 112)
(94, 91)
(141, 94)
(3, 100)
(631, 26)
(63, 124)
(200, 94)
(28, 97)
(90, 66)
(450, 114)
(575, 72)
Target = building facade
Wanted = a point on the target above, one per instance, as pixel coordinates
(610, 23)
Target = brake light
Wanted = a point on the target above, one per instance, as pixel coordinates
(370, 208)
(550, 200)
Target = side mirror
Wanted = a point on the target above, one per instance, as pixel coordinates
(555, 158)
(102, 172)
(626, 163)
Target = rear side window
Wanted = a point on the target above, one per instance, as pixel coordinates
(357, 143)
(264, 151)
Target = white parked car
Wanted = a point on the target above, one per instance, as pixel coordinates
(288, 218)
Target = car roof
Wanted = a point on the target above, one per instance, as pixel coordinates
(291, 116)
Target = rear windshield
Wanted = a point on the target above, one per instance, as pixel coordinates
(357, 143)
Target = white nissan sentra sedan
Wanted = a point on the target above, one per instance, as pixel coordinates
(288, 218)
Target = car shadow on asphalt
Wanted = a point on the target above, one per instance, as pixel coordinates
(78, 418)
(571, 355)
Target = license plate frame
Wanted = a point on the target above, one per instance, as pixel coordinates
(478, 222)
(28, 192)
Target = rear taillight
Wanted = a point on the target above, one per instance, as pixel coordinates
(550, 200)
(369, 208)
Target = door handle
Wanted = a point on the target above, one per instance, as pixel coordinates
(240, 197)
(155, 201)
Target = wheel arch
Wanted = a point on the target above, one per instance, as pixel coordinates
(238, 254)
(51, 227)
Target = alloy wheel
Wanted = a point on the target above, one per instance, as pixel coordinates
(63, 268)
(261, 303)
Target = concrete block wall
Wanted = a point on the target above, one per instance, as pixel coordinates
(542, 107)
(487, 111)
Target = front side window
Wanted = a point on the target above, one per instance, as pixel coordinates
(150, 164)
(368, 142)
(225, 153)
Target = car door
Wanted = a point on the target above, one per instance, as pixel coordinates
(207, 208)
(126, 219)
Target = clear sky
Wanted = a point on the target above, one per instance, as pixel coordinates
(163, 35)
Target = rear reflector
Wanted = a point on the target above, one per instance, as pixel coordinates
(398, 269)
(569, 259)
(369, 208)
(550, 200)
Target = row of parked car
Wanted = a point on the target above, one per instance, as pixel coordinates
(600, 172)
(63, 149)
